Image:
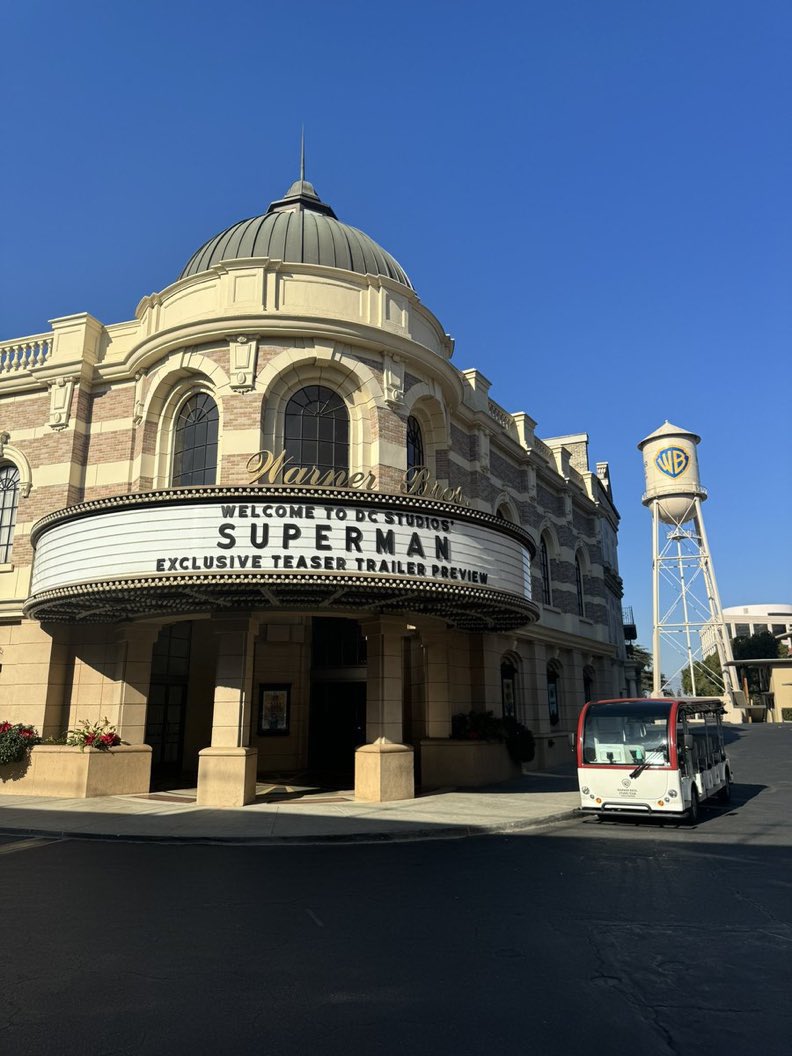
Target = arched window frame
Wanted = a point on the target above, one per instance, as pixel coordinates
(207, 404)
(9, 503)
(589, 683)
(324, 406)
(553, 676)
(511, 682)
(544, 560)
(505, 509)
(581, 597)
(431, 414)
(416, 449)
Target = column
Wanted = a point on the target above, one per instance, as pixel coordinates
(437, 693)
(227, 769)
(136, 642)
(384, 768)
(384, 682)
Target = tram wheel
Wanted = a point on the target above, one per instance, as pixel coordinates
(725, 794)
(693, 811)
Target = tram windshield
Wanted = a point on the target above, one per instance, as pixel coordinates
(622, 735)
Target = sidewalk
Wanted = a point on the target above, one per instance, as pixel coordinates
(288, 814)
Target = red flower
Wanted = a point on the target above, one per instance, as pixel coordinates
(109, 739)
(5, 727)
(27, 732)
(90, 738)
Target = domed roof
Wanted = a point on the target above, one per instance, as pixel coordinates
(302, 229)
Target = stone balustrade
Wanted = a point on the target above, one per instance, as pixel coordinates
(25, 353)
(501, 416)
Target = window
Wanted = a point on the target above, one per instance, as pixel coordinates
(415, 448)
(547, 596)
(9, 497)
(581, 601)
(588, 684)
(317, 429)
(552, 694)
(195, 442)
(508, 688)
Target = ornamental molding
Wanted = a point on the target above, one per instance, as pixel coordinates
(393, 381)
(243, 355)
(18, 458)
(60, 392)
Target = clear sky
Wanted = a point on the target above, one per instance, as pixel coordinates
(591, 195)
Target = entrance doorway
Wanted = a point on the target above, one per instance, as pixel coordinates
(338, 699)
(167, 703)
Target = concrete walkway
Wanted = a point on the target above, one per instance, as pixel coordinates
(293, 814)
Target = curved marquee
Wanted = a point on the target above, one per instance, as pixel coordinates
(180, 551)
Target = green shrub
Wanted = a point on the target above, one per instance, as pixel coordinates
(483, 726)
(15, 741)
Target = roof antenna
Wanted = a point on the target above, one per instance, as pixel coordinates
(302, 154)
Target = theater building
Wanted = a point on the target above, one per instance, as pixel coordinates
(268, 521)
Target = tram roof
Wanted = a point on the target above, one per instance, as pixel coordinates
(689, 705)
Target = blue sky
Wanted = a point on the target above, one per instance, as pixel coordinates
(593, 197)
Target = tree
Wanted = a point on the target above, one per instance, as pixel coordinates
(709, 680)
(760, 646)
(644, 658)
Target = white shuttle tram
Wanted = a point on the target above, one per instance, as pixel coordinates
(651, 757)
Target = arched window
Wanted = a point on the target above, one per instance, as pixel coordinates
(581, 601)
(195, 442)
(415, 447)
(588, 684)
(508, 688)
(316, 431)
(553, 703)
(9, 497)
(547, 594)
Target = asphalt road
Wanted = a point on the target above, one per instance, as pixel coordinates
(587, 938)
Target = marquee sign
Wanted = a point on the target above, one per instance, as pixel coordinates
(243, 543)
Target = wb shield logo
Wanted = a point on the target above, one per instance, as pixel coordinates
(672, 461)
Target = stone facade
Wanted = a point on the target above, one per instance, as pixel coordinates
(87, 413)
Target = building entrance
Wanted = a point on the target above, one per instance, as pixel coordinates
(338, 699)
(167, 703)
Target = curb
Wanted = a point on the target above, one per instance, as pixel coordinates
(447, 832)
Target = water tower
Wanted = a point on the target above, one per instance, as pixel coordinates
(685, 596)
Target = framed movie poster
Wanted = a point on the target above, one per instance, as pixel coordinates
(273, 714)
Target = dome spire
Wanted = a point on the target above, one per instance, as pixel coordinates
(302, 195)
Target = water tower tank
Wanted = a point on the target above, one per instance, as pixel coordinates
(671, 470)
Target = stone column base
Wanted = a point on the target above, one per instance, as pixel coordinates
(384, 771)
(226, 777)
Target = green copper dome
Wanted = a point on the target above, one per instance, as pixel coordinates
(301, 229)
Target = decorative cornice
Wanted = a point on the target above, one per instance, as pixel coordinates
(466, 607)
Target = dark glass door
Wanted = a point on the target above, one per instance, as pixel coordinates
(167, 703)
(338, 727)
(165, 725)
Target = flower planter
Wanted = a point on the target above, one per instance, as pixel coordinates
(465, 764)
(71, 773)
